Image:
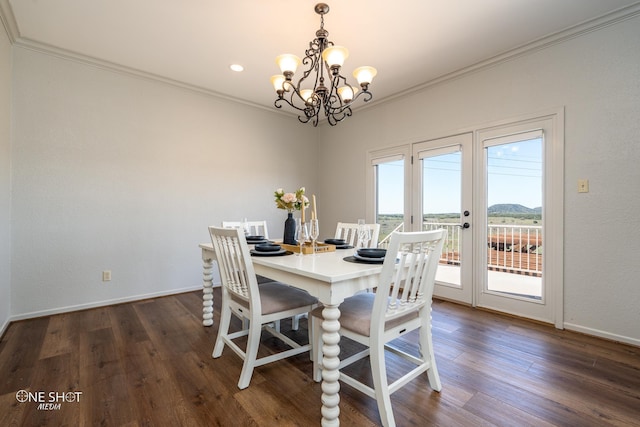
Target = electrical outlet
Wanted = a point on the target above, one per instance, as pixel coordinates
(583, 186)
(106, 275)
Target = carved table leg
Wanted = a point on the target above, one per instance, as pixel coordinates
(207, 291)
(330, 363)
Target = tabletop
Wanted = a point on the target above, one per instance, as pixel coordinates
(325, 275)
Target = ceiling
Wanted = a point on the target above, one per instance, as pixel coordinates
(193, 42)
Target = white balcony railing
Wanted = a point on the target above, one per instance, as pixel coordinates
(510, 248)
(515, 248)
(451, 248)
(384, 243)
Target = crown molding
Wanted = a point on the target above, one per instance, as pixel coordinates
(61, 53)
(9, 21)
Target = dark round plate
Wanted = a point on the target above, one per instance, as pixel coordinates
(267, 247)
(367, 259)
(255, 237)
(337, 242)
(372, 252)
(357, 259)
(274, 253)
(257, 242)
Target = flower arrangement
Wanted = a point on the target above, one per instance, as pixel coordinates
(291, 201)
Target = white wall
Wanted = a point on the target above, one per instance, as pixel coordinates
(113, 172)
(596, 78)
(5, 179)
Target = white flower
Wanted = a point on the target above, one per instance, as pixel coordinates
(290, 201)
(288, 198)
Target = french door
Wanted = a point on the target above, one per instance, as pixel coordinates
(518, 176)
(498, 193)
(442, 198)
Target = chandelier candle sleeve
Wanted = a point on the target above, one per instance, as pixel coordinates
(332, 94)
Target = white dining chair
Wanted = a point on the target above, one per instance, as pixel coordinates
(401, 304)
(256, 228)
(259, 228)
(349, 232)
(262, 305)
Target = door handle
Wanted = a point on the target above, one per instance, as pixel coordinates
(465, 224)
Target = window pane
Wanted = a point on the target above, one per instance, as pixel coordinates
(389, 196)
(441, 199)
(514, 218)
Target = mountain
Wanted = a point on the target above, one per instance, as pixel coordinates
(512, 208)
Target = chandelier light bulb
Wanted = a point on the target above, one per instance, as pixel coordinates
(288, 63)
(335, 56)
(278, 82)
(347, 93)
(307, 95)
(364, 75)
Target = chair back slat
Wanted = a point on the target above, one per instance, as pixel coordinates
(256, 228)
(407, 280)
(234, 262)
(349, 232)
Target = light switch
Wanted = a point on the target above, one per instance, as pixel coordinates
(583, 186)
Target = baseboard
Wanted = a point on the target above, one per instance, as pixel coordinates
(4, 327)
(602, 334)
(96, 304)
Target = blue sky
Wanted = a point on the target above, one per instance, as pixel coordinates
(514, 176)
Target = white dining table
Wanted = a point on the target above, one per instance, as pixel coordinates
(326, 276)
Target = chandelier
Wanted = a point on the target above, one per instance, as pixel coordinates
(312, 93)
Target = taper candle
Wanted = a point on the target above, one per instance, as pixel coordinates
(314, 214)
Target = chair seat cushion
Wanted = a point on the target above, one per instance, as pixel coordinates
(355, 314)
(277, 296)
(262, 279)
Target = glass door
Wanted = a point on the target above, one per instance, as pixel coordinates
(442, 200)
(518, 193)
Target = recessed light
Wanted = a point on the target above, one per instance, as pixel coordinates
(236, 67)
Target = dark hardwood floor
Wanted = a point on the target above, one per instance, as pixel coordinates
(148, 363)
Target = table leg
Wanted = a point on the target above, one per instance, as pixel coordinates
(207, 291)
(330, 364)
